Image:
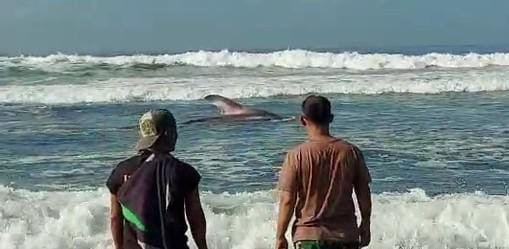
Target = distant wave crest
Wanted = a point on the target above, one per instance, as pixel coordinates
(162, 89)
(366, 74)
(284, 59)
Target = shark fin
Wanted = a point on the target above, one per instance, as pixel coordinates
(225, 106)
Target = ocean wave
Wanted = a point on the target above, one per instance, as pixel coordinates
(284, 59)
(161, 89)
(413, 219)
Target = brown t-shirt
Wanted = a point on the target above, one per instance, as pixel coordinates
(323, 174)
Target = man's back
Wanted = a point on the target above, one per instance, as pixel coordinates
(152, 193)
(145, 197)
(323, 174)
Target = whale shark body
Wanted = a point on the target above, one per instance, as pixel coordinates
(230, 110)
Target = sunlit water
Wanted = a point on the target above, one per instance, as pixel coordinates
(436, 141)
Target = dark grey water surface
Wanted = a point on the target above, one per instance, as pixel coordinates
(445, 143)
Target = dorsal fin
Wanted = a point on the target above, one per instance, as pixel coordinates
(226, 106)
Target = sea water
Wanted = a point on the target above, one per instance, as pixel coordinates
(434, 129)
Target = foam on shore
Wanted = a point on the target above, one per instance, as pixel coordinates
(58, 220)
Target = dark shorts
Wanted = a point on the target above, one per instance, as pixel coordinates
(315, 244)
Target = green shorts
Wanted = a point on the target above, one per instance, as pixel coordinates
(315, 244)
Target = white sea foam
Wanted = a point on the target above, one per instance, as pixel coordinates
(285, 59)
(171, 88)
(54, 220)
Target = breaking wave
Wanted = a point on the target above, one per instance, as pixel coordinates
(161, 89)
(57, 220)
(284, 59)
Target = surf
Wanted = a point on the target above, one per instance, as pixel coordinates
(412, 219)
(293, 59)
(122, 89)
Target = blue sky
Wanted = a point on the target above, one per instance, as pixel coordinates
(135, 26)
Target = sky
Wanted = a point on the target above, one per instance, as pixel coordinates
(169, 26)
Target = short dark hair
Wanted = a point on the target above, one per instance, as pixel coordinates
(317, 109)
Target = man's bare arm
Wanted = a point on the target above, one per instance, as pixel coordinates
(286, 208)
(196, 219)
(363, 193)
(116, 222)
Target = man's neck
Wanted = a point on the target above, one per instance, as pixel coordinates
(319, 133)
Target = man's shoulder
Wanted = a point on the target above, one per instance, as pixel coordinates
(123, 170)
(130, 161)
(304, 148)
(184, 166)
(181, 163)
(338, 144)
(188, 174)
(297, 148)
(345, 145)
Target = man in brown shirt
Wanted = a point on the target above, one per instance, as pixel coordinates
(317, 180)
